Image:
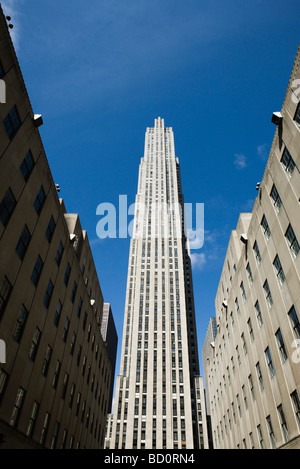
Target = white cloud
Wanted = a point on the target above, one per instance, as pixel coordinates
(240, 161)
(262, 151)
(198, 260)
(10, 8)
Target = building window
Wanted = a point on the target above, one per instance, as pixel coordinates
(40, 200)
(66, 329)
(237, 306)
(20, 324)
(269, 362)
(250, 276)
(48, 294)
(57, 313)
(265, 228)
(27, 165)
(59, 253)
(5, 291)
(47, 359)
(279, 270)
(244, 343)
(284, 427)
(281, 345)
(271, 431)
(276, 198)
(243, 292)
(73, 292)
(3, 383)
(295, 321)
(35, 344)
(292, 241)
(257, 252)
(67, 274)
(268, 295)
(260, 437)
(79, 307)
(56, 374)
(2, 73)
(296, 405)
(72, 394)
(17, 407)
(250, 329)
(55, 435)
(65, 385)
(72, 346)
(258, 314)
(32, 419)
(297, 114)
(37, 270)
(23, 242)
(7, 207)
(259, 376)
(251, 386)
(288, 162)
(45, 428)
(12, 122)
(50, 229)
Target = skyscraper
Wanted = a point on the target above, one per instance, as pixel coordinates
(159, 391)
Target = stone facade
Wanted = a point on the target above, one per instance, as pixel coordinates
(55, 382)
(157, 400)
(252, 368)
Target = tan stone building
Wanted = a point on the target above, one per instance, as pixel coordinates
(56, 377)
(253, 365)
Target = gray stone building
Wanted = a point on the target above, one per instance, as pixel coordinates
(252, 370)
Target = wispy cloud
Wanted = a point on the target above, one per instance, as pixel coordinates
(198, 260)
(262, 151)
(209, 256)
(11, 8)
(240, 161)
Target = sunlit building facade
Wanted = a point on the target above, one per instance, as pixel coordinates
(159, 394)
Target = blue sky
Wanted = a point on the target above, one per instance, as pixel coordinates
(101, 71)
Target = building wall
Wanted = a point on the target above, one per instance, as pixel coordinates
(110, 337)
(54, 386)
(156, 403)
(206, 350)
(253, 377)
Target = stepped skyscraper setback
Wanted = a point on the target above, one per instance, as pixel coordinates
(159, 398)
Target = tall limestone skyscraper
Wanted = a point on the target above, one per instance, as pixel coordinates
(159, 398)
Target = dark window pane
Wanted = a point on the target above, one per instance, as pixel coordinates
(40, 199)
(7, 207)
(27, 165)
(12, 122)
(5, 291)
(23, 243)
(297, 115)
(36, 273)
(50, 229)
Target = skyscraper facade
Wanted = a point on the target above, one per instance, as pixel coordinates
(159, 391)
